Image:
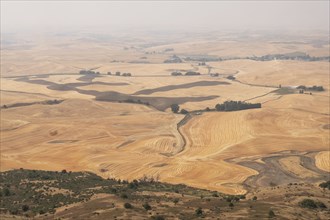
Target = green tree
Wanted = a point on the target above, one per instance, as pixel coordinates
(175, 108)
(128, 205)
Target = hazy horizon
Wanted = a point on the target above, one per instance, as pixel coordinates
(184, 15)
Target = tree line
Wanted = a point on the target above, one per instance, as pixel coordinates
(224, 107)
(236, 106)
(91, 72)
(189, 73)
(313, 88)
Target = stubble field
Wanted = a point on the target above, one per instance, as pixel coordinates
(92, 129)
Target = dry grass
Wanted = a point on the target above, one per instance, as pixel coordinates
(127, 141)
(322, 160)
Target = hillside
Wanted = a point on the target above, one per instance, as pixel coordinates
(83, 195)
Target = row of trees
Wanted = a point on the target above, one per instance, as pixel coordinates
(236, 106)
(120, 74)
(192, 73)
(313, 88)
(289, 56)
(176, 73)
(226, 106)
(91, 72)
(88, 72)
(189, 73)
(173, 59)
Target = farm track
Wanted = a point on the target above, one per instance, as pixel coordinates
(180, 124)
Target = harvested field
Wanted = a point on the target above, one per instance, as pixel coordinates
(95, 129)
(322, 160)
(182, 86)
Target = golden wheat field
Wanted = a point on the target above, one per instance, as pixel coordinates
(92, 128)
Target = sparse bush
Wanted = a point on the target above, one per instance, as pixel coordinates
(271, 214)
(13, 211)
(184, 111)
(25, 208)
(6, 192)
(254, 198)
(311, 204)
(231, 204)
(146, 206)
(199, 211)
(124, 196)
(175, 201)
(308, 203)
(128, 205)
(231, 77)
(158, 217)
(242, 196)
(325, 185)
(320, 205)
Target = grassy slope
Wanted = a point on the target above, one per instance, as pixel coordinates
(56, 195)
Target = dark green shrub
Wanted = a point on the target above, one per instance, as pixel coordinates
(271, 214)
(128, 205)
(25, 208)
(325, 185)
(6, 192)
(320, 205)
(308, 203)
(124, 196)
(199, 211)
(158, 217)
(146, 206)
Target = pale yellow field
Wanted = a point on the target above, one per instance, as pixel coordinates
(323, 160)
(293, 165)
(128, 141)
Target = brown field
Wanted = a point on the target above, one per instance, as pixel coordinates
(226, 151)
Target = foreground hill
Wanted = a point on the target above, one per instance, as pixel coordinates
(83, 195)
